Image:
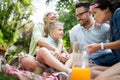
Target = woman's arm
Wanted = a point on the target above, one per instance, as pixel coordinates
(112, 45)
(43, 43)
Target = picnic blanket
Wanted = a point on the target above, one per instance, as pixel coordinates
(26, 75)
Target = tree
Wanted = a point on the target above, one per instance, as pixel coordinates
(12, 13)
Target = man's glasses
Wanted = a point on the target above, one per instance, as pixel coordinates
(80, 14)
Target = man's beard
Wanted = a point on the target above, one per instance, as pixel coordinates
(85, 23)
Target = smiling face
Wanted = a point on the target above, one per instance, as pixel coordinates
(57, 32)
(82, 16)
(101, 16)
(51, 17)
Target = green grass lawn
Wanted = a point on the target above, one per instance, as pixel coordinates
(4, 76)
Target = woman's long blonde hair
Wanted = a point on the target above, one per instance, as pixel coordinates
(45, 23)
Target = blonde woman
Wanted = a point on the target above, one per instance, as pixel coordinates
(42, 48)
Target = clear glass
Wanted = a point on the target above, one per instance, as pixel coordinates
(75, 47)
(84, 59)
(76, 60)
(76, 56)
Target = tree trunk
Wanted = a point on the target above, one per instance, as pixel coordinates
(2, 50)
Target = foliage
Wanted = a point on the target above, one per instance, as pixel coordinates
(4, 76)
(66, 9)
(12, 13)
(22, 43)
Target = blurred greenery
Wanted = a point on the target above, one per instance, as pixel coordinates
(4, 76)
(22, 43)
(14, 15)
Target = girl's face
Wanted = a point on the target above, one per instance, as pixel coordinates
(100, 15)
(57, 33)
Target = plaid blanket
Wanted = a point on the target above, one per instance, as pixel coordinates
(26, 75)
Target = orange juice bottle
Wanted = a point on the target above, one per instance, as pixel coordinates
(80, 73)
(83, 72)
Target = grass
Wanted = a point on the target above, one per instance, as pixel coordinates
(4, 76)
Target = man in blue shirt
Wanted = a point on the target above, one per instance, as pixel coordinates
(88, 32)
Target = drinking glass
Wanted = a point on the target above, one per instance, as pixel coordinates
(76, 61)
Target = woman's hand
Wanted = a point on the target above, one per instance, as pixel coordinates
(92, 48)
(56, 54)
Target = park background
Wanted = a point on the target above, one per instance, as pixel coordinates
(17, 18)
